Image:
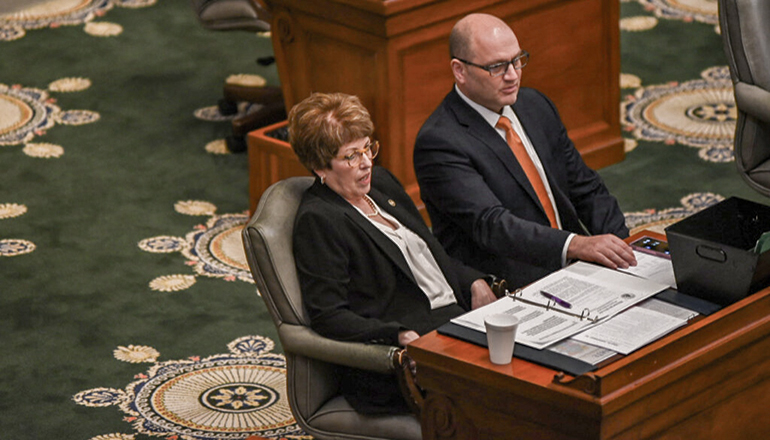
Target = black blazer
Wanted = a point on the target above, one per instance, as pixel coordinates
(356, 284)
(482, 207)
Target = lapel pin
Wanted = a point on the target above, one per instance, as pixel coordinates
(391, 202)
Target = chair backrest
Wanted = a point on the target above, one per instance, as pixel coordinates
(312, 380)
(268, 242)
(230, 15)
(746, 38)
(267, 239)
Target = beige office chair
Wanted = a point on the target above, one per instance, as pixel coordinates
(312, 383)
(745, 26)
(251, 16)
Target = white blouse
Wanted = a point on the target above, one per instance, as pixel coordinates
(420, 259)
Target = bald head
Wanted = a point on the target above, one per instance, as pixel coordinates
(479, 42)
(466, 31)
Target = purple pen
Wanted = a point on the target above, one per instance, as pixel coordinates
(556, 299)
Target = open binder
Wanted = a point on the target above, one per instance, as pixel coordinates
(561, 362)
(584, 315)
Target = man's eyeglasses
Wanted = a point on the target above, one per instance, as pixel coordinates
(499, 69)
(370, 150)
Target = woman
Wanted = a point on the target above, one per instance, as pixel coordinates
(369, 268)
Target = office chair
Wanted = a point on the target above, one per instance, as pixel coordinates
(252, 16)
(746, 40)
(312, 382)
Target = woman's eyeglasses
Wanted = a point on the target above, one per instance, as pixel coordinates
(370, 150)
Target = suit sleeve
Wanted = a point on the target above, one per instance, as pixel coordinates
(322, 258)
(597, 209)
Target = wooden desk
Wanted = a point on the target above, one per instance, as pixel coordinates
(708, 380)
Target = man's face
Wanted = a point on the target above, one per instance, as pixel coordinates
(490, 46)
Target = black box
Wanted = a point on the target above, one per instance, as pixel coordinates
(713, 251)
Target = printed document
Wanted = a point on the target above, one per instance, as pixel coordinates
(630, 330)
(594, 294)
(653, 268)
(589, 346)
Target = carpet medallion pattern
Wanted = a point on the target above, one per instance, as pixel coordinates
(27, 112)
(10, 247)
(64, 13)
(224, 396)
(658, 220)
(704, 11)
(213, 249)
(699, 113)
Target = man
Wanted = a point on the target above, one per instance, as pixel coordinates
(510, 196)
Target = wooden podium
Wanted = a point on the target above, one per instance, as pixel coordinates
(708, 380)
(394, 55)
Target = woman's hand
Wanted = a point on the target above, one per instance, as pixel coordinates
(481, 294)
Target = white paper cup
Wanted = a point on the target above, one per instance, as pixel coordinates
(501, 335)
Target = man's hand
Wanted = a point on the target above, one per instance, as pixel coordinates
(607, 250)
(481, 294)
(406, 336)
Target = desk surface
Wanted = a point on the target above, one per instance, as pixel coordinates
(706, 380)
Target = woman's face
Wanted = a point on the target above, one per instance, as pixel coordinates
(352, 183)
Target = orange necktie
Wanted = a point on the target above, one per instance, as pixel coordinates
(514, 141)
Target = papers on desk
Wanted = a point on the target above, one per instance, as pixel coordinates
(630, 330)
(600, 342)
(587, 353)
(654, 268)
(595, 294)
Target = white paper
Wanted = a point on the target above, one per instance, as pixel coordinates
(653, 268)
(595, 293)
(669, 309)
(630, 330)
(587, 353)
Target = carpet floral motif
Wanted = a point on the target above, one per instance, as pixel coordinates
(704, 11)
(65, 13)
(638, 23)
(657, 221)
(27, 112)
(699, 113)
(221, 397)
(11, 247)
(213, 249)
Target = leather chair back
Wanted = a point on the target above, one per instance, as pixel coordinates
(745, 26)
(312, 381)
(228, 15)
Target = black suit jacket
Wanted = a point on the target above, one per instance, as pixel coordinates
(357, 286)
(482, 207)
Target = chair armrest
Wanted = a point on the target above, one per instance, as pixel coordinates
(753, 100)
(304, 341)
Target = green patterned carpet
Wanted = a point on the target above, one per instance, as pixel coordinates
(126, 306)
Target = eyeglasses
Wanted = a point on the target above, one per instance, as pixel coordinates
(499, 69)
(370, 150)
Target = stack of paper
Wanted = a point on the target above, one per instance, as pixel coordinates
(595, 294)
